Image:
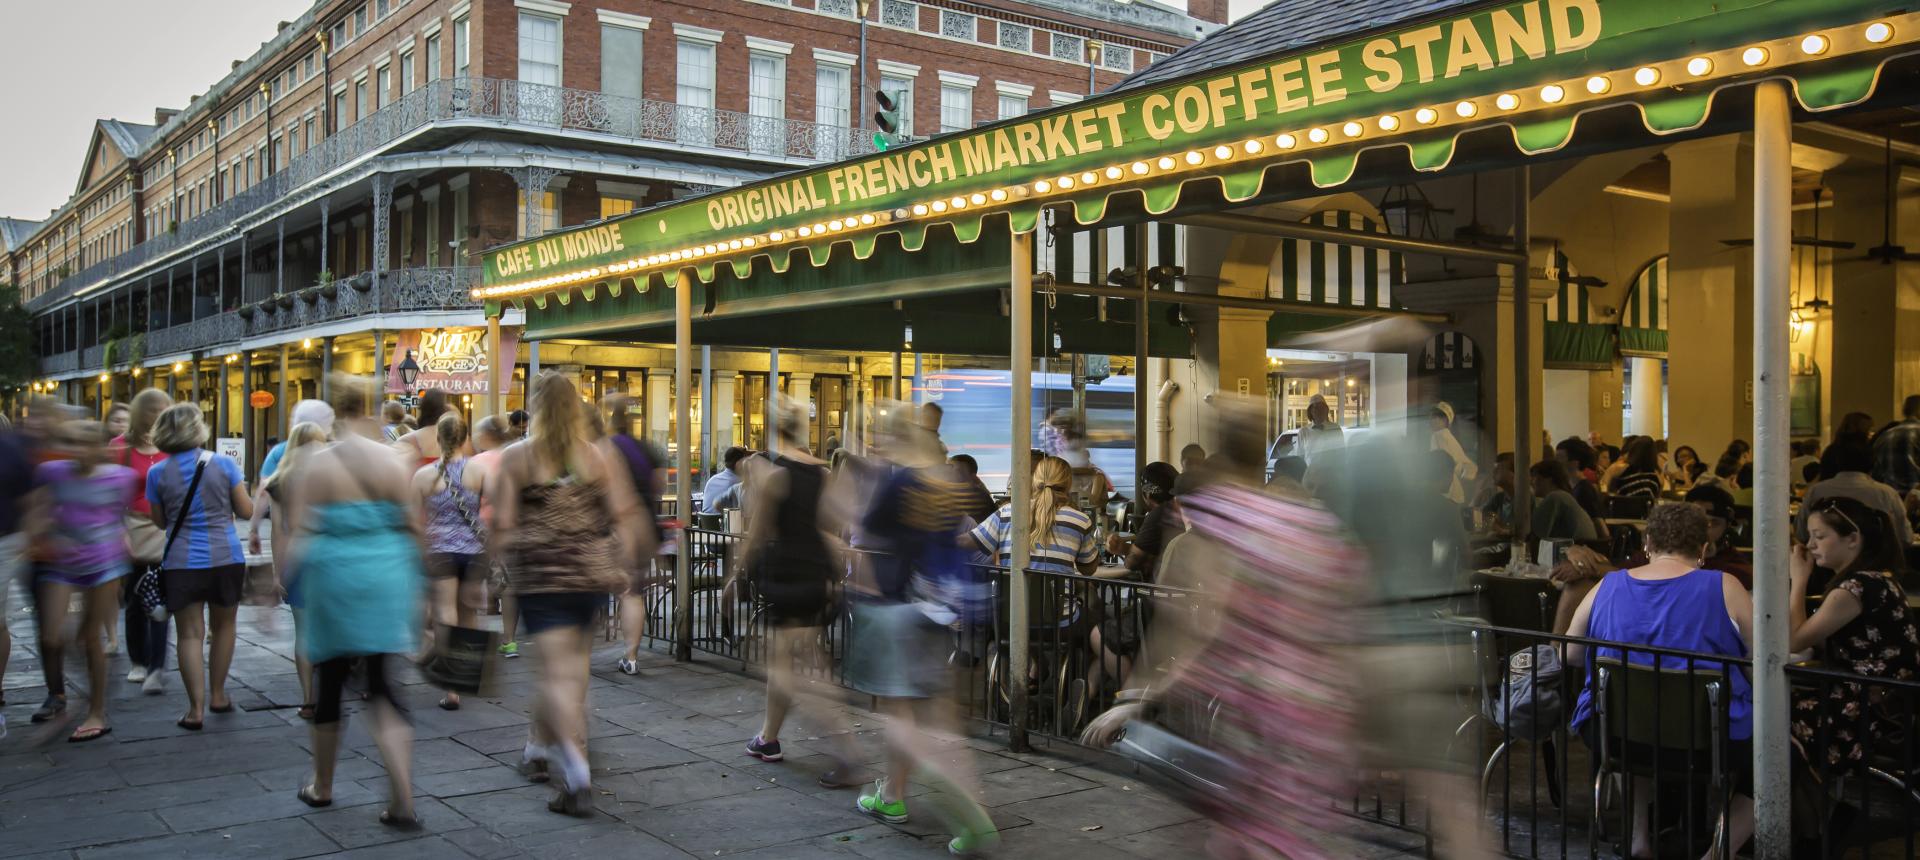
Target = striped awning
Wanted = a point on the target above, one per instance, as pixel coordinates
(1572, 340)
(1319, 273)
(1643, 322)
(1449, 350)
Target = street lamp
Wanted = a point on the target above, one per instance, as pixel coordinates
(409, 373)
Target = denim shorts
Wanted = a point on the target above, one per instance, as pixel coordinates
(547, 610)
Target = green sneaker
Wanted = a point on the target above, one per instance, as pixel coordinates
(510, 650)
(970, 842)
(875, 804)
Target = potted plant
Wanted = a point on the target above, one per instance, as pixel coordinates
(247, 311)
(285, 300)
(363, 281)
(310, 295)
(327, 285)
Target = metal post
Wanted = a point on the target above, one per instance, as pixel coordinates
(918, 382)
(498, 365)
(279, 249)
(249, 423)
(683, 442)
(379, 369)
(282, 412)
(770, 407)
(1141, 236)
(895, 392)
(382, 221)
(1772, 243)
(325, 210)
(1523, 450)
(1020, 361)
(220, 401)
(707, 455)
(194, 386)
(326, 369)
(533, 360)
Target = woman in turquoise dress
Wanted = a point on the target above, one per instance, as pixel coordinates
(356, 545)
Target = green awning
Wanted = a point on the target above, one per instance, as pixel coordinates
(1643, 323)
(1533, 68)
(1576, 346)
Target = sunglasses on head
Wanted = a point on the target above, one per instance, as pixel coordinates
(1831, 505)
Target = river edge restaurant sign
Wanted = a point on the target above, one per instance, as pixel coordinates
(1419, 86)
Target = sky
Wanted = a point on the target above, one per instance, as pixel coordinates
(120, 59)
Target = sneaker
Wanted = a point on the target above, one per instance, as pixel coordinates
(764, 750)
(970, 842)
(154, 683)
(875, 805)
(533, 763)
(629, 667)
(136, 674)
(510, 650)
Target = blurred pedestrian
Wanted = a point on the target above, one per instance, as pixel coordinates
(1442, 439)
(517, 422)
(118, 416)
(306, 440)
(455, 537)
(77, 508)
(569, 528)
(355, 542)
(421, 447)
(393, 421)
(195, 495)
(146, 638)
(979, 503)
(646, 466)
(16, 481)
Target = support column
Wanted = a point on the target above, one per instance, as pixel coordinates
(498, 366)
(282, 411)
(1709, 292)
(249, 427)
(221, 400)
(1773, 487)
(382, 222)
(533, 361)
(533, 183)
(1141, 390)
(709, 457)
(1522, 360)
(771, 407)
(800, 394)
(280, 255)
(1647, 415)
(1019, 435)
(1875, 330)
(683, 475)
(326, 368)
(893, 393)
(379, 371)
(326, 264)
(194, 381)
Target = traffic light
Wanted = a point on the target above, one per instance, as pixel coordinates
(887, 119)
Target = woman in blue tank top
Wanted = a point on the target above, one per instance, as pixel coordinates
(1671, 603)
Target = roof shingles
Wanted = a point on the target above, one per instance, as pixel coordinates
(1285, 25)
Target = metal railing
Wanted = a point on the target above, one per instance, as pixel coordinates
(508, 102)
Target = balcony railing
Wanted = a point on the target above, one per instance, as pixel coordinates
(399, 291)
(512, 103)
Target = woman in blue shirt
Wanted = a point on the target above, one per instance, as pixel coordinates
(203, 566)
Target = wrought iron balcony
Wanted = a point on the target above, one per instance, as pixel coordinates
(497, 103)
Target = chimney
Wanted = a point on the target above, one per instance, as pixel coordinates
(161, 115)
(1208, 10)
(236, 64)
(282, 26)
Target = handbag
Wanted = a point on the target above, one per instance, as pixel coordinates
(462, 660)
(148, 588)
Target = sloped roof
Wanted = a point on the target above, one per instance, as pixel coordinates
(14, 231)
(1284, 25)
(128, 136)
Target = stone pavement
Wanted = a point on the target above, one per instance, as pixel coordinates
(668, 767)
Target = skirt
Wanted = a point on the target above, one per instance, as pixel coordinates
(895, 651)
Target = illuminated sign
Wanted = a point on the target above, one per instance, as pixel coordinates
(454, 360)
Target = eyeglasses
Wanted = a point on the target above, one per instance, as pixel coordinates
(1831, 505)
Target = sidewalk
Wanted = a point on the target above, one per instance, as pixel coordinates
(668, 766)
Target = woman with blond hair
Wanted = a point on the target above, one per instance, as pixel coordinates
(195, 495)
(146, 638)
(454, 534)
(303, 442)
(354, 544)
(76, 511)
(1062, 535)
(568, 525)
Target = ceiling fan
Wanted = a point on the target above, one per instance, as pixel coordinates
(1814, 306)
(1886, 252)
(1813, 241)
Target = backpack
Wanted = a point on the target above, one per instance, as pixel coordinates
(1529, 704)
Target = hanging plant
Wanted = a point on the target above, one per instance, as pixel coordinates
(310, 295)
(247, 311)
(363, 281)
(330, 290)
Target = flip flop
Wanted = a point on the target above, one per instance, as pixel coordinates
(82, 735)
(311, 798)
(449, 705)
(190, 725)
(306, 712)
(54, 706)
(409, 823)
(228, 709)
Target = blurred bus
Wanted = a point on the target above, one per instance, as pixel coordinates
(976, 405)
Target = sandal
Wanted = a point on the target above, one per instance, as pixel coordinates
(306, 712)
(54, 706)
(577, 803)
(312, 798)
(89, 733)
(409, 823)
(447, 704)
(221, 709)
(190, 725)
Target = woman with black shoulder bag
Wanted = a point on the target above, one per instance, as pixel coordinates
(146, 638)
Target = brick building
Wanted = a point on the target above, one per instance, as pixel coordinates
(334, 189)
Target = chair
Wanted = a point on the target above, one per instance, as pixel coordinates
(1649, 715)
(1521, 604)
(1627, 507)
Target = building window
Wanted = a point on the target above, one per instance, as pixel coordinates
(901, 90)
(1118, 58)
(1073, 49)
(611, 206)
(460, 46)
(433, 58)
(900, 13)
(693, 91)
(381, 8)
(539, 50)
(433, 231)
(460, 224)
(338, 37)
(359, 20)
(956, 107)
(382, 86)
(549, 214)
(831, 94)
(958, 25)
(406, 72)
(1012, 106)
(360, 102)
(620, 53)
(1015, 36)
(842, 8)
(766, 102)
